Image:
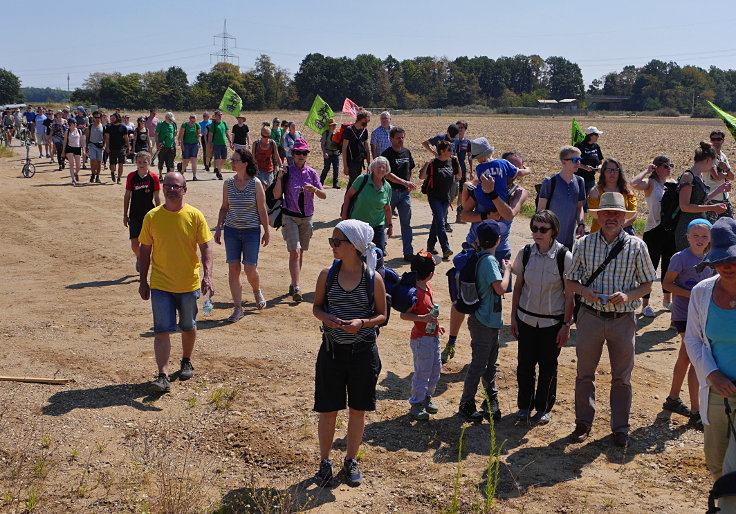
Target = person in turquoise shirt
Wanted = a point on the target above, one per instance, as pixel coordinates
(373, 203)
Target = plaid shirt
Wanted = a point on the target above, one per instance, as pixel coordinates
(628, 270)
(380, 138)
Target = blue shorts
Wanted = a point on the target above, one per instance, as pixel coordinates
(95, 153)
(165, 305)
(243, 244)
(189, 150)
(219, 151)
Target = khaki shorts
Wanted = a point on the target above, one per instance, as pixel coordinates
(297, 232)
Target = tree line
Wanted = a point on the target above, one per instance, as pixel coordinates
(421, 82)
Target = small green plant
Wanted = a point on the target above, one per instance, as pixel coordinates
(192, 402)
(338, 423)
(46, 442)
(41, 468)
(528, 209)
(361, 453)
(73, 455)
(494, 459)
(222, 397)
(33, 500)
(101, 447)
(638, 225)
(455, 502)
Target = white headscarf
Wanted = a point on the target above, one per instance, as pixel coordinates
(360, 235)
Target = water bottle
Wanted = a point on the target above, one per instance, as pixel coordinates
(207, 306)
(432, 326)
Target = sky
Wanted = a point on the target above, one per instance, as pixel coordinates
(138, 36)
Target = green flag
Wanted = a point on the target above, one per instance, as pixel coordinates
(318, 115)
(729, 120)
(231, 102)
(577, 133)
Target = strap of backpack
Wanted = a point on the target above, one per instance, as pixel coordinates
(612, 255)
(552, 184)
(490, 286)
(561, 254)
(525, 254)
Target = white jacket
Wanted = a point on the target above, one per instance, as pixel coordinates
(697, 343)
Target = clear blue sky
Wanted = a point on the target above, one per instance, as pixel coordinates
(139, 36)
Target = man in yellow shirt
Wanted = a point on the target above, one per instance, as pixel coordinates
(169, 238)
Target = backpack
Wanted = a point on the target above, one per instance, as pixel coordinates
(461, 279)
(404, 294)
(428, 183)
(560, 258)
(339, 135)
(275, 205)
(538, 188)
(670, 206)
(351, 204)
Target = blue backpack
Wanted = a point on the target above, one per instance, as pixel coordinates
(461, 279)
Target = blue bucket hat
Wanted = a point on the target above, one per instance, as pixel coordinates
(722, 242)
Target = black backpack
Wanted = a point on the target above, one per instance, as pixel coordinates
(670, 212)
(553, 182)
(274, 205)
(560, 258)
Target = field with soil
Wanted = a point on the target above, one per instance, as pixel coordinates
(241, 435)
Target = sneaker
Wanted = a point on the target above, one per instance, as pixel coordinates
(48, 155)
(677, 406)
(620, 439)
(495, 411)
(291, 290)
(97, 180)
(695, 421)
(467, 411)
(218, 174)
(161, 384)
(447, 253)
(352, 473)
(581, 432)
(118, 180)
(448, 228)
(522, 415)
(433, 251)
(187, 370)
(418, 412)
(324, 475)
(408, 257)
(112, 176)
(448, 353)
(297, 296)
(429, 405)
(648, 312)
(542, 418)
(335, 187)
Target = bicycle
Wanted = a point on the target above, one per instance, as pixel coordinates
(29, 169)
(8, 135)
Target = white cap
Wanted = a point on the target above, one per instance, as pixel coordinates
(592, 130)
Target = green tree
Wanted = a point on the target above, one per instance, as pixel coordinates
(565, 79)
(9, 87)
(178, 90)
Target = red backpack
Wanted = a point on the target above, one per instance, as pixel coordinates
(339, 134)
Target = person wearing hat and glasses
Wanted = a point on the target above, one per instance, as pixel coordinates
(592, 156)
(720, 172)
(711, 345)
(331, 155)
(621, 272)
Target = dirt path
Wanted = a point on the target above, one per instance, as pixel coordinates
(72, 310)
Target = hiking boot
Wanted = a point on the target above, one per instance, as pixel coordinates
(494, 411)
(581, 432)
(448, 353)
(695, 421)
(352, 473)
(429, 405)
(467, 411)
(291, 290)
(433, 251)
(522, 415)
(297, 296)
(418, 412)
(447, 253)
(408, 257)
(677, 406)
(448, 228)
(620, 439)
(324, 475)
(186, 371)
(542, 418)
(161, 384)
(218, 174)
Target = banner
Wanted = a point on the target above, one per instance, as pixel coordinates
(577, 133)
(318, 115)
(231, 103)
(350, 108)
(729, 120)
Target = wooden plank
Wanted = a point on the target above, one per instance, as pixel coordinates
(36, 380)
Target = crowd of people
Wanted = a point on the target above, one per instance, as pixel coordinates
(596, 277)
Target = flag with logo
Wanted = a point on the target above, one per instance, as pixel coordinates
(231, 102)
(350, 108)
(577, 133)
(318, 115)
(728, 119)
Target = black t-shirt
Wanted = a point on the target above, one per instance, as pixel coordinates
(592, 156)
(356, 139)
(141, 193)
(141, 140)
(117, 134)
(401, 165)
(47, 123)
(443, 176)
(239, 134)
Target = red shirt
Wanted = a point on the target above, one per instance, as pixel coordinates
(423, 306)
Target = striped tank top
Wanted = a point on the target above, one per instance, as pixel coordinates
(349, 305)
(242, 212)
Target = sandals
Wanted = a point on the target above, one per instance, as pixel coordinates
(677, 406)
(260, 300)
(237, 315)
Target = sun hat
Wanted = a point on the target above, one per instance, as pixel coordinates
(488, 233)
(480, 148)
(612, 202)
(592, 130)
(300, 144)
(722, 244)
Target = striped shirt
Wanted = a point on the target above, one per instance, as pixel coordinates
(242, 210)
(628, 270)
(348, 305)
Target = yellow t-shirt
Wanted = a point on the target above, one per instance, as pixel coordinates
(594, 203)
(175, 237)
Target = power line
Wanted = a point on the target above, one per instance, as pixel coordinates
(225, 55)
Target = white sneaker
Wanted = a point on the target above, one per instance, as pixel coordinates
(648, 312)
(666, 305)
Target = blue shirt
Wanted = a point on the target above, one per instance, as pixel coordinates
(565, 204)
(489, 312)
(203, 125)
(381, 139)
(434, 141)
(501, 170)
(719, 330)
(39, 119)
(30, 116)
(461, 147)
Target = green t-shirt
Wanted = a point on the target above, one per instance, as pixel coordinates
(218, 133)
(165, 133)
(190, 133)
(369, 204)
(276, 134)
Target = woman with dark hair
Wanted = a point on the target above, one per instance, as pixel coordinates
(243, 213)
(541, 315)
(590, 152)
(695, 194)
(612, 180)
(141, 137)
(659, 238)
(73, 143)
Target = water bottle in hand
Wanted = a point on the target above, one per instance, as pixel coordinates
(432, 325)
(207, 306)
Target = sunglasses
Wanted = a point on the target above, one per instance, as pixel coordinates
(576, 160)
(335, 242)
(612, 170)
(541, 230)
(300, 152)
(716, 139)
(670, 165)
(175, 187)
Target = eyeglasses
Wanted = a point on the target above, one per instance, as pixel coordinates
(175, 187)
(612, 170)
(300, 152)
(96, 117)
(669, 165)
(541, 230)
(335, 242)
(716, 139)
(576, 160)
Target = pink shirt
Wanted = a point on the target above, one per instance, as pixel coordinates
(151, 124)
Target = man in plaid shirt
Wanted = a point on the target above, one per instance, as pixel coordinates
(380, 137)
(607, 313)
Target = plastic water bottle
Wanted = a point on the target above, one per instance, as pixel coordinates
(207, 306)
(432, 326)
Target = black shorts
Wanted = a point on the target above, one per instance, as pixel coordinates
(344, 374)
(76, 150)
(135, 224)
(117, 156)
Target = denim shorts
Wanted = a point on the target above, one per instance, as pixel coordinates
(95, 153)
(189, 150)
(243, 244)
(219, 151)
(165, 305)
